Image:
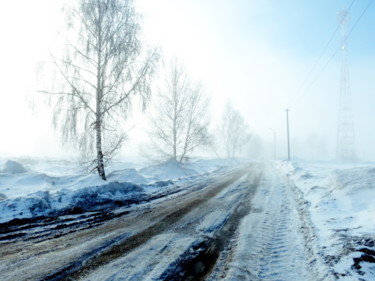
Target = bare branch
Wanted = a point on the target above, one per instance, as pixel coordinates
(102, 69)
(182, 118)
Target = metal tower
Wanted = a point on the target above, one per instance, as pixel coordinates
(345, 129)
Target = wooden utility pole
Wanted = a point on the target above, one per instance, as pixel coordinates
(287, 131)
(274, 143)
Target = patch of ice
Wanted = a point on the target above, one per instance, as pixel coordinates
(155, 257)
(213, 221)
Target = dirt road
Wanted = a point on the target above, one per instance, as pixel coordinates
(245, 224)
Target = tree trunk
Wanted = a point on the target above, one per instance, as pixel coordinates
(100, 160)
(98, 127)
(99, 88)
(186, 144)
(174, 141)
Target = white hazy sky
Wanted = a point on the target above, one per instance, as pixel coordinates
(257, 54)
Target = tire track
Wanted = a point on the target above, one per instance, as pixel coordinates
(175, 211)
(190, 247)
(200, 267)
(279, 252)
(271, 243)
(56, 258)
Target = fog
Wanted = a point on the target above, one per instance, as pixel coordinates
(262, 56)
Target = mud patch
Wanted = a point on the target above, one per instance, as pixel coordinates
(197, 263)
(124, 246)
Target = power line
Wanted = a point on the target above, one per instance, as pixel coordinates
(336, 51)
(322, 52)
(360, 17)
(322, 70)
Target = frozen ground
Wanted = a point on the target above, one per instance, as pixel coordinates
(44, 188)
(174, 224)
(206, 220)
(340, 200)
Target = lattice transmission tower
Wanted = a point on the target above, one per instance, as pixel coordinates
(345, 130)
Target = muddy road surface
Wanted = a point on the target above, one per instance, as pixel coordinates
(244, 224)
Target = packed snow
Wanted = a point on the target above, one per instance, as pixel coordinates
(329, 206)
(340, 200)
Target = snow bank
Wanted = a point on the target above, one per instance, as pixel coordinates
(14, 167)
(354, 179)
(289, 168)
(352, 193)
(168, 170)
(2, 196)
(17, 185)
(24, 207)
(85, 199)
(53, 186)
(210, 165)
(92, 197)
(55, 168)
(127, 175)
(340, 200)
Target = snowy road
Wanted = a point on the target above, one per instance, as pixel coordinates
(274, 241)
(245, 224)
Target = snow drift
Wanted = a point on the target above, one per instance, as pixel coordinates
(168, 170)
(85, 199)
(14, 167)
(53, 187)
(340, 202)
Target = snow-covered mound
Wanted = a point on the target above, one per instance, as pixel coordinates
(340, 200)
(171, 169)
(127, 175)
(209, 165)
(91, 197)
(16, 185)
(287, 167)
(85, 199)
(47, 187)
(54, 167)
(351, 195)
(14, 167)
(354, 179)
(2, 196)
(24, 207)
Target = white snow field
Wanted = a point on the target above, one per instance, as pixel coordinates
(204, 220)
(340, 201)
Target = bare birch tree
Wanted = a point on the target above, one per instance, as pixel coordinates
(101, 70)
(181, 120)
(234, 130)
